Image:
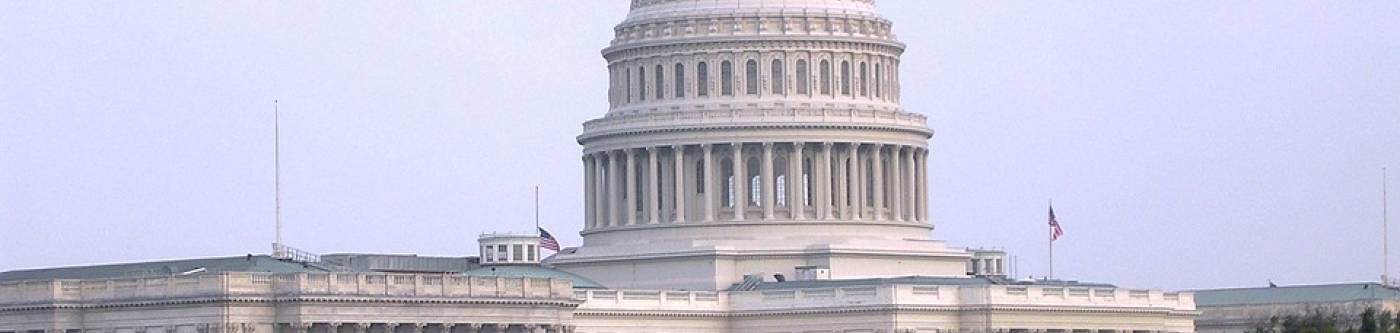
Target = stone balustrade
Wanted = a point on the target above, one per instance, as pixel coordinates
(951, 296)
(290, 284)
(729, 116)
(653, 300)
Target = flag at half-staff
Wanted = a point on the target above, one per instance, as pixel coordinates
(548, 241)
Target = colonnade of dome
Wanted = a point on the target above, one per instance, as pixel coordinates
(748, 111)
(789, 181)
(809, 74)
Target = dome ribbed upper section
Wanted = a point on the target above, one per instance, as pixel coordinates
(651, 10)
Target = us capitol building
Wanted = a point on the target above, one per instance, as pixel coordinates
(754, 173)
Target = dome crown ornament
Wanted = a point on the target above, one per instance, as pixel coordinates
(649, 10)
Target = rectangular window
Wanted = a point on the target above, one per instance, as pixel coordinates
(726, 79)
(502, 253)
(702, 80)
(487, 254)
(802, 77)
(519, 254)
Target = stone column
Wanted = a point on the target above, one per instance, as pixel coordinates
(599, 192)
(824, 201)
(923, 185)
(653, 193)
(877, 170)
(741, 183)
(896, 182)
(629, 181)
(797, 197)
(911, 192)
(853, 181)
(709, 188)
(587, 193)
(767, 181)
(614, 188)
(678, 152)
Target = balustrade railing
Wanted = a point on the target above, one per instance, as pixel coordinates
(766, 116)
(286, 284)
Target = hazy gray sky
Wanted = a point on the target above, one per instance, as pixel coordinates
(1185, 143)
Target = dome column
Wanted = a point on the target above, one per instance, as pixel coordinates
(678, 152)
(824, 183)
(740, 182)
(853, 181)
(600, 193)
(630, 183)
(797, 188)
(768, 181)
(923, 185)
(911, 190)
(709, 177)
(653, 194)
(614, 188)
(896, 181)
(877, 172)
(588, 199)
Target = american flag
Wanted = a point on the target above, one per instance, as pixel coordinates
(1055, 231)
(547, 240)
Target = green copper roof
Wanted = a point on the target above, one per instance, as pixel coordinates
(1296, 294)
(259, 263)
(534, 271)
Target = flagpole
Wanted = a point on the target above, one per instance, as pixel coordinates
(276, 179)
(537, 209)
(1052, 244)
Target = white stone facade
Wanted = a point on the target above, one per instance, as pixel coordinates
(754, 137)
(747, 142)
(288, 303)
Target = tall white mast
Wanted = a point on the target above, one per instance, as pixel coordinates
(1385, 232)
(277, 177)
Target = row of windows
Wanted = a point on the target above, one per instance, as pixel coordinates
(509, 253)
(863, 86)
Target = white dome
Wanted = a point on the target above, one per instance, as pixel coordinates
(648, 10)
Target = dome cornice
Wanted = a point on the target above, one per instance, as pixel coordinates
(666, 48)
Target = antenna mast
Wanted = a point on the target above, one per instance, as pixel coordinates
(537, 208)
(1385, 232)
(277, 178)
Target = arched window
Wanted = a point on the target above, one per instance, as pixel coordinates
(637, 181)
(869, 187)
(825, 77)
(627, 82)
(878, 78)
(702, 79)
(755, 181)
(807, 181)
(864, 87)
(680, 80)
(778, 77)
(727, 172)
(751, 77)
(780, 180)
(726, 78)
(641, 83)
(660, 82)
(700, 176)
(846, 78)
(802, 78)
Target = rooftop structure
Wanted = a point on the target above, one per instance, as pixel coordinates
(1242, 310)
